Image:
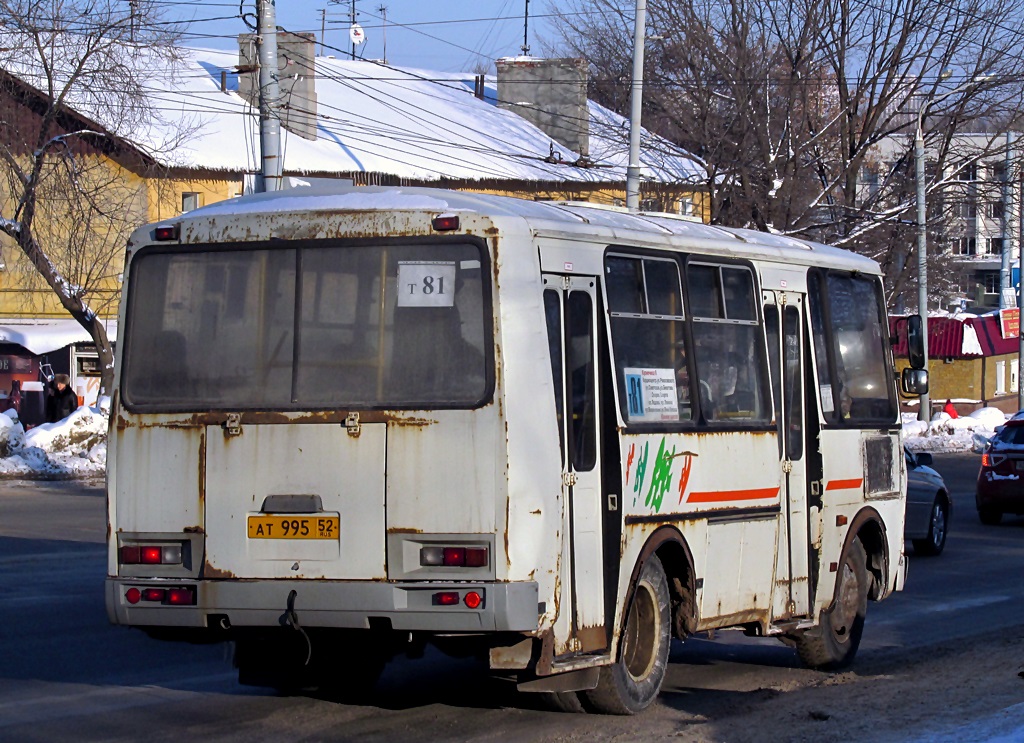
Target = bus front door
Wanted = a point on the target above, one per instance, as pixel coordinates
(570, 304)
(783, 314)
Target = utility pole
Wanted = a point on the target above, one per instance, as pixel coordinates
(1007, 231)
(636, 100)
(323, 28)
(269, 178)
(383, 10)
(352, 22)
(526, 30)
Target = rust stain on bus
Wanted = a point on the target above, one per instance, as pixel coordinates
(404, 530)
(213, 573)
(197, 420)
(202, 470)
(751, 616)
(592, 638)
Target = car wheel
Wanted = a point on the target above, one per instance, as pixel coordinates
(833, 643)
(631, 683)
(938, 525)
(989, 517)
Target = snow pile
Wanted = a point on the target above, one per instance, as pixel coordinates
(942, 433)
(73, 447)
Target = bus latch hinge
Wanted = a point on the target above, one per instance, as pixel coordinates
(233, 425)
(787, 466)
(569, 479)
(352, 424)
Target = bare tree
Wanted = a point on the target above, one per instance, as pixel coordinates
(73, 82)
(787, 103)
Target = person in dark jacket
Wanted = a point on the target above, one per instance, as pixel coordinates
(62, 401)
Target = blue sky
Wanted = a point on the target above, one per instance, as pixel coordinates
(443, 35)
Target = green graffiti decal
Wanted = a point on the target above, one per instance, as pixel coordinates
(641, 472)
(661, 479)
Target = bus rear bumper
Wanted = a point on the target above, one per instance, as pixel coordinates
(505, 607)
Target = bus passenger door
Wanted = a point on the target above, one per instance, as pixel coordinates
(570, 304)
(783, 316)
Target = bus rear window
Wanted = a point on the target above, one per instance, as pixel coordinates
(308, 326)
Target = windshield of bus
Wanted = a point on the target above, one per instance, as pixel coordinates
(850, 328)
(308, 326)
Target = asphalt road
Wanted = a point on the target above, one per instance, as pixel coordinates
(65, 673)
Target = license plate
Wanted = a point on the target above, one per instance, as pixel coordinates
(290, 526)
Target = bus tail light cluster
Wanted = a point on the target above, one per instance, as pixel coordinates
(178, 596)
(472, 599)
(454, 557)
(154, 554)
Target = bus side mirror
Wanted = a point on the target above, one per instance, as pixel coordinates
(914, 382)
(915, 345)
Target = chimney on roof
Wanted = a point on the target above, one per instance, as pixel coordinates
(551, 94)
(296, 75)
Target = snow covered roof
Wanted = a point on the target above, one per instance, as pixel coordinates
(45, 336)
(371, 118)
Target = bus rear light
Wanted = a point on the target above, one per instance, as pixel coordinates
(181, 596)
(454, 557)
(473, 600)
(167, 554)
(166, 232)
(445, 223)
(175, 596)
(446, 598)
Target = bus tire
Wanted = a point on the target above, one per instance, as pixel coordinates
(631, 683)
(833, 643)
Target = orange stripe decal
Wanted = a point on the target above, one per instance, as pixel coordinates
(844, 484)
(717, 496)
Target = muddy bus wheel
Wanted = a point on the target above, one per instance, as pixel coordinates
(631, 683)
(833, 644)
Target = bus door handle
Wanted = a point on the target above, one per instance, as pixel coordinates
(569, 479)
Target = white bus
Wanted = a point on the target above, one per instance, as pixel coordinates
(350, 423)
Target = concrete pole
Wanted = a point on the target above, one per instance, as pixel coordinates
(636, 100)
(1016, 179)
(924, 413)
(269, 178)
(1007, 231)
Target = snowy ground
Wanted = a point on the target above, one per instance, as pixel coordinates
(73, 447)
(77, 445)
(966, 433)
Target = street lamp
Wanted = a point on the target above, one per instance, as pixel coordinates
(924, 413)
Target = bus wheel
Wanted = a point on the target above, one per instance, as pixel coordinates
(631, 683)
(834, 642)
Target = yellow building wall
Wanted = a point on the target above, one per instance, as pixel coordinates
(971, 379)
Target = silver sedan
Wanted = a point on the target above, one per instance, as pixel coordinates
(929, 505)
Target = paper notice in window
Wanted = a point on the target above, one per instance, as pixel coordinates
(426, 283)
(827, 405)
(651, 395)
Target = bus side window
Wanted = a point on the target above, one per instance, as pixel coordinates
(649, 341)
(553, 316)
(728, 345)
